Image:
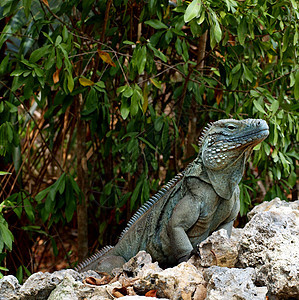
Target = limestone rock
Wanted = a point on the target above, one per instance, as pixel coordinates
(270, 243)
(180, 282)
(9, 288)
(217, 250)
(39, 285)
(140, 298)
(232, 283)
(70, 289)
(140, 265)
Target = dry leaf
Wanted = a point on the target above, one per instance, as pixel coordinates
(106, 58)
(119, 292)
(151, 293)
(46, 2)
(56, 76)
(85, 82)
(219, 95)
(98, 281)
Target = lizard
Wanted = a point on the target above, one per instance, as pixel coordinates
(202, 199)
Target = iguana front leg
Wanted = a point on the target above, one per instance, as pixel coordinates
(184, 216)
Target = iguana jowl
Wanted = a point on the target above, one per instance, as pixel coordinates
(202, 199)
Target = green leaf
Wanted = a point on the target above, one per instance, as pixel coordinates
(4, 173)
(296, 87)
(156, 83)
(39, 53)
(54, 247)
(29, 209)
(242, 31)
(217, 31)
(193, 10)
(285, 39)
(128, 92)
(134, 103)
(135, 194)
(156, 24)
(128, 43)
(6, 235)
(259, 107)
(236, 68)
(147, 142)
(27, 5)
(4, 65)
(124, 109)
(294, 3)
(274, 106)
(247, 73)
(159, 124)
(70, 83)
(58, 40)
(141, 59)
(17, 72)
(19, 274)
(157, 53)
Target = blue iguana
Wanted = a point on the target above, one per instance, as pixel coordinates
(197, 202)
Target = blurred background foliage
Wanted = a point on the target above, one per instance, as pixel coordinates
(102, 102)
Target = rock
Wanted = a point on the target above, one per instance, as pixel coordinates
(66, 289)
(217, 250)
(141, 265)
(179, 282)
(270, 244)
(140, 298)
(9, 288)
(39, 285)
(232, 283)
(70, 289)
(274, 204)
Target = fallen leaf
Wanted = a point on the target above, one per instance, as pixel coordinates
(151, 293)
(98, 281)
(85, 82)
(106, 58)
(119, 292)
(56, 75)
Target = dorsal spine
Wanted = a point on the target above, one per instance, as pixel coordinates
(148, 204)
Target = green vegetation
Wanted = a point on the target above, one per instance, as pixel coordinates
(103, 101)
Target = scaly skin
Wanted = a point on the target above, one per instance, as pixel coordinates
(203, 199)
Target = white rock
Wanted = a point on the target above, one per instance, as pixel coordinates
(232, 283)
(270, 243)
(172, 283)
(217, 250)
(9, 288)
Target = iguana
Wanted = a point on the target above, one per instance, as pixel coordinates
(197, 202)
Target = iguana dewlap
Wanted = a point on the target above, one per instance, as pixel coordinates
(202, 199)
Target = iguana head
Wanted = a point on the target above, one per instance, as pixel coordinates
(225, 140)
(225, 147)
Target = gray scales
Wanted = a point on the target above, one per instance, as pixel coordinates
(202, 199)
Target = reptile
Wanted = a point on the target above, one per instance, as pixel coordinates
(195, 203)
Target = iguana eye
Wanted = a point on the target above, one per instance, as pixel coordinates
(231, 127)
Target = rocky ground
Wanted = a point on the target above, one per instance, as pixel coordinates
(260, 261)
